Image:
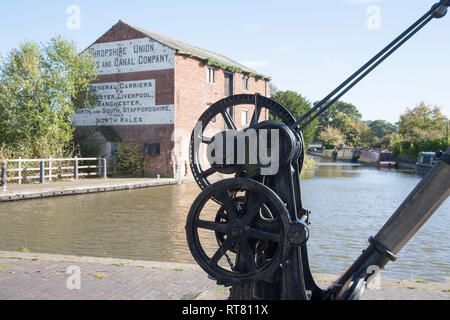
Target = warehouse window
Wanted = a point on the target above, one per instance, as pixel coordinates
(244, 83)
(211, 76)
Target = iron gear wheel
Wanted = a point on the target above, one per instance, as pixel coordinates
(244, 231)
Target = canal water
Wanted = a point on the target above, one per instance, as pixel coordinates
(349, 203)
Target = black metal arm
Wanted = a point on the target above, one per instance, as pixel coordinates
(438, 10)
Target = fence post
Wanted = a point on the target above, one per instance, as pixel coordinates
(104, 169)
(42, 172)
(19, 173)
(3, 182)
(50, 164)
(100, 167)
(75, 169)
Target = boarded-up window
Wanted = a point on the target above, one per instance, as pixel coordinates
(244, 83)
(211, 75)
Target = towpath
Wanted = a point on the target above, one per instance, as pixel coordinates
(30, 276)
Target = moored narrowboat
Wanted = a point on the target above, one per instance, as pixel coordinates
(426, 161)
(383, 158)
(386, 159)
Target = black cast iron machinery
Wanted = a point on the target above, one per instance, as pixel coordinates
(258, 221)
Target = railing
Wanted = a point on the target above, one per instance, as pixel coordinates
(22, 170)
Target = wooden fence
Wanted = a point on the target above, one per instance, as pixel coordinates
(25, 170)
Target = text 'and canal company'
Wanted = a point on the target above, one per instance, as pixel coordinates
(132, 56)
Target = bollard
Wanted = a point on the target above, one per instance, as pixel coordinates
(104, 169)
(75, 169)
(3, 182)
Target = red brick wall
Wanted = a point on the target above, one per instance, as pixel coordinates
(193, 95)
(120, 32)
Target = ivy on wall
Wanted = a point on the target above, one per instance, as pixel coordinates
(213, 63)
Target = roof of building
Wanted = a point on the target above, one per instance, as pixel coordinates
(210, 58)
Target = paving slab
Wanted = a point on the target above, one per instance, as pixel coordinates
(32, 276)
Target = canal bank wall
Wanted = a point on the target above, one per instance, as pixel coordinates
(34, 276)
(15, 192)
(346, 156)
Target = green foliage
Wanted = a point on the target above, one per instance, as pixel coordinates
(331, 137)
(39, 85)
(420, 129)
(346, 119)
(330, 117)
(382, 143)
(214, 63)
(380, 128)
(355, 132)
(424, 118)
(410, 147)
(298, 106)
(130, 159)
(349, 127)
(396, 143)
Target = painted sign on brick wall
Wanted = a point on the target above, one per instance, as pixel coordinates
(124, 104)
(132, 56)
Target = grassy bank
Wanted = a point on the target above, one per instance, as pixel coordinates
(309, 163)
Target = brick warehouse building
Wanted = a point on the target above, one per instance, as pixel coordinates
(152, 90)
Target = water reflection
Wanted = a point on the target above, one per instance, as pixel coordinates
(349, 203)
(143, 224)
(333, 170)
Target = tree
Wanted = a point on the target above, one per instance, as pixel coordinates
(424, 118)
(381, 128)
(420, 129)
(130, 159)
(330, 117)
(356, 132)
(39, 88)
(298, 106)
(331, 137)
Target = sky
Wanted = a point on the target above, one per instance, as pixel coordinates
(305, 46)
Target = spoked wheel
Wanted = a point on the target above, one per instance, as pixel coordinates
(250, 222)
(262, 105)
(265, 219)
